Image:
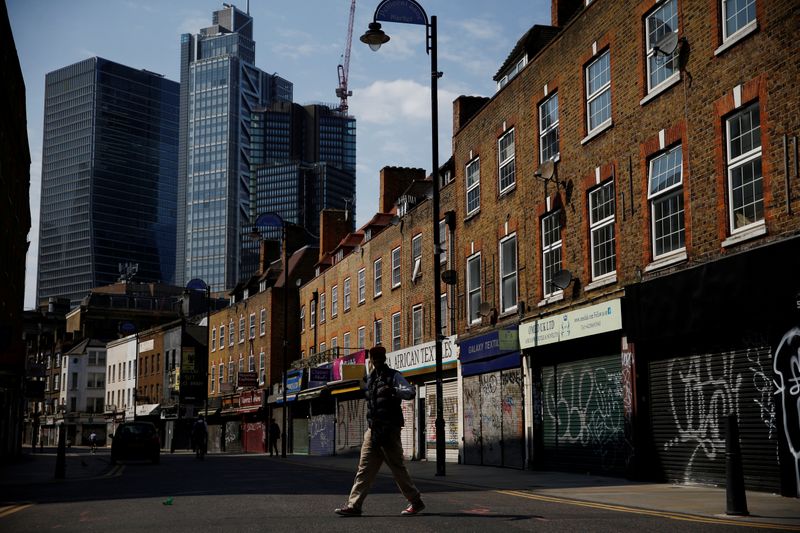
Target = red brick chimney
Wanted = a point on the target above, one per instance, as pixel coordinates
(395, 180)
(563, 10)
(333, 227)
(268, 251)
(464, 108)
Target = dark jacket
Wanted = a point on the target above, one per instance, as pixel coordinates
(383, 406)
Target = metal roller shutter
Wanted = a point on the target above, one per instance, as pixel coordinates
(300, 436)
(583, 423)
(513, 418)
(472, 420)
(233, 438)
(321, 435)
(690, 400)
(407, 434)
(254, 437)
(450, 401)
(491, 419)
(351, 423)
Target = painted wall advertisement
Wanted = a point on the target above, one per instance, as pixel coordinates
(422, 355)
(591, 320)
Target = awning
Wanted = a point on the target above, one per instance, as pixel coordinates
(278, 398)
(147, 409)
(310, 394)
(348, 389)
(344, 386)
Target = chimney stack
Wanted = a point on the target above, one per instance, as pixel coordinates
(395, 180)
(333, 227)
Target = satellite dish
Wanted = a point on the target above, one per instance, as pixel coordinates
(667, 45)
(562, 279)
(449, 277)
(484, 309)
(546, 171)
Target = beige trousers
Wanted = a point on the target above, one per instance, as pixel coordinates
(372, 456)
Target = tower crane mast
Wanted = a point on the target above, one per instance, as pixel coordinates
(342, 90)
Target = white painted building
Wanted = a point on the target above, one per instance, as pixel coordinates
(83, 383)
(121, 382)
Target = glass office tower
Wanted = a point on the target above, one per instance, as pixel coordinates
(220, 89)
(109, 177)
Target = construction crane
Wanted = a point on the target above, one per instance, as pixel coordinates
(344, 70)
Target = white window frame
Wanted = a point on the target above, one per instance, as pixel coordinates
(362, 285)
(302, 318)
(416, 324)
(746, 28)
(598, 226)
(346, 341)
(251, 362)
(506, 160)
(444, 239)
(662, 195)
(334, 301)
(657, 61)
(241, 329)
(222, 337)
(213, 339)
(346, 297)
(377, 331)
(377, 277)
(312, 319)
(322, 310)
(231, 334)
(416, 257)
(322, 347)
(362, 337)
(472, 176)
(396, 275)
(506, 274)
(397, 333)
(546, 129)
(734, 163)
(334, 343)
(213, 378)
(252, 328)
(598, 93)
(547, 250)
(445, 325)
(262, 365)
(263, 323)
(221, 377)
(474, 288)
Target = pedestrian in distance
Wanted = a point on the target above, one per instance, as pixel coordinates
(200, 437)
(274, 436)
(385, 389)
(93, 441)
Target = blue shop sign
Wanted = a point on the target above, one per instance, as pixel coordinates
(294, 381)
(489, 345)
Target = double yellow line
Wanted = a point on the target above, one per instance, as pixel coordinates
(646, 512)
(6, 510)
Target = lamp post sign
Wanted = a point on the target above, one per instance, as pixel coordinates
(402, 11)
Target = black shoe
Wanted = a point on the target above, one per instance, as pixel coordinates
(413, 508)
(348, 511)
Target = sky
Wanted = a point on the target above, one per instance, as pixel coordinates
(302, 41)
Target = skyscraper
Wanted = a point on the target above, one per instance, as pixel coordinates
(220, 89)
(109, 177)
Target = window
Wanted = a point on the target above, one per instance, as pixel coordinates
(376, 277)
(548, 129)
(443, 239)
(361, 337)
(96, 380)
(473, 173)
(230, 369)
(474, 288)
(346, 342)
(262, 375)
(251, 362)
(443, 313)
(222, 337)
(598, 92)
(601, 228)
(396, 267)
(416, 256)
(737, 16)
(665, 193)
(230, 333)
(378, 333)
(745, 182)
(241, 329)
(221, 375)
(362, 286)
(508, 274)
(396, 331)
(551, 251)
(240, 368)
(660, 22)
(334, 300)
(312, 323)
(303, 318)
(322, 347)
(506, 161)
(263, 326)
(346, 295)
(416, 324)
(252, 326)
(322, 310)
(334, 343)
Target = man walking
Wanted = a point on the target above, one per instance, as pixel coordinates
(274, 436)
(385, 389)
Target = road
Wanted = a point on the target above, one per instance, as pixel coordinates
(259, 493)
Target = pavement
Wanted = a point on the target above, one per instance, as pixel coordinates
(767, 510)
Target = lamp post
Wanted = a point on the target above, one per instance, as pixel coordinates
(274, 220)
(411, 12)
(198, 284)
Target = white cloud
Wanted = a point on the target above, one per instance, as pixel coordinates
(295, 51)
(193, 22)
(482, 29)
(384, 102)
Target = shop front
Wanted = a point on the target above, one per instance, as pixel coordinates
(253, 427)
(581, 389)
(492, 389)
(346, 389)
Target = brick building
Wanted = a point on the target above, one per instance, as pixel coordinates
(618, 200)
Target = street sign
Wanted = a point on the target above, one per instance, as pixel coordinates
(247, 379)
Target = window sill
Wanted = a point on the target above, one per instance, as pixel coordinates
(602, 282)
(661, 88)
(597, 131)
(508, 312)
(756, 230)
(396, 286)
(472, 215)
(670, 259)
(737, 37)
(508, 190)
(552, 299)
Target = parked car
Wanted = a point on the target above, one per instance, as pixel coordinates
(136, 440)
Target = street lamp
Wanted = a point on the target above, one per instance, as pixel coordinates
(198, 284)
(411, 12)
(274, 220)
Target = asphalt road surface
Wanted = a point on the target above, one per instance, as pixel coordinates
(259, 493)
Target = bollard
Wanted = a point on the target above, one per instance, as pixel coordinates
(62, 452)
(737, 499)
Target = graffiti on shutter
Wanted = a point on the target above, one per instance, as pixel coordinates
(351, 423)
(450, 414)
(321, 434)
(691, 399)
(472, 420)
(491, 419)
(407, 433)
(233, 441)
(513, 419)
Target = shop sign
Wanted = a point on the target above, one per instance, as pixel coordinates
(251, 399)
(230, 402)
(294, 381)
(591, 320)
(247, 379)
(356, 358)
(422, 355)
(146, 346)
(192, 385)
(489, 345)
(319, 376)
(188, 359)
